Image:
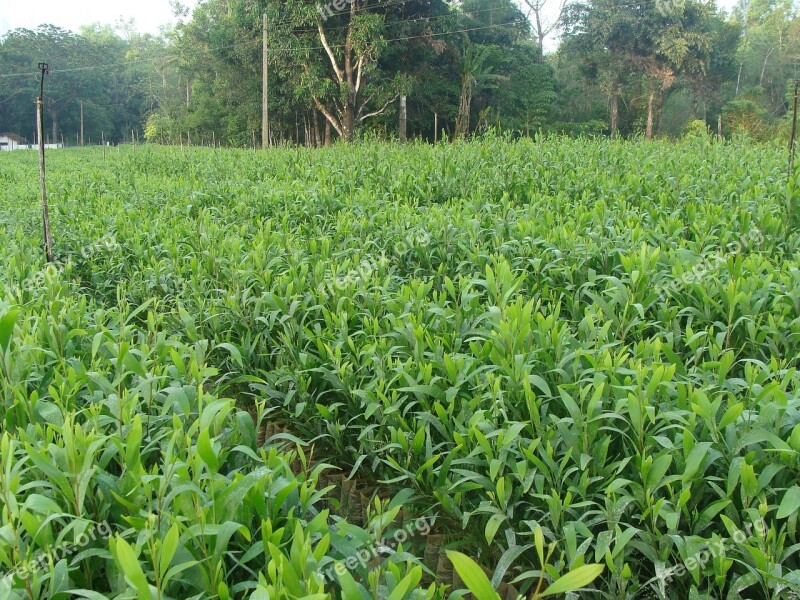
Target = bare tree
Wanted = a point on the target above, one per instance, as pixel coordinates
(543, 24)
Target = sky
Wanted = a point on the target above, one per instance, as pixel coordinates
(148, 15)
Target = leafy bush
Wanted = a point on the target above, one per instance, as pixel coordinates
(696, 129)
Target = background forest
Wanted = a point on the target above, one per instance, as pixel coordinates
(338, 70)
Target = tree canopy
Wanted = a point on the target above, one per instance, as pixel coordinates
(337, 69)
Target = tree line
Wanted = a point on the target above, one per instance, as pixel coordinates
(337, 70)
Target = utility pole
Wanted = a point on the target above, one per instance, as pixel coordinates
(48, 237)
(265, 86)
(81, 122)
(436, 127)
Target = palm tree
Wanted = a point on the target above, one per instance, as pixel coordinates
(475, 75)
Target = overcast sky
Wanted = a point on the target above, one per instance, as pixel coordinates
(71, 14)
(148, 15)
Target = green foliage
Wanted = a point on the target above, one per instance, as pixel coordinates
(114, 98)
(337, 69)
(696, 129)
(747, 117)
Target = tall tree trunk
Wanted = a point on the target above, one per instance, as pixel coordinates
(464, 109)
(403, 119)
(614, 111)
(764, 69)
(695, 105)
(738, 79)
(539, 36)
(328, 133)
(650, 104)
(349, 118)
(317, 135)
(659, 113)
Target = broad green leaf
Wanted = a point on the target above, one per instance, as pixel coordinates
(473, 576)
(7, 322)
(492, 525)
(790, 503)
(349, 586)
(205, 449)
(168, 548)
(694, 460)
(574, 580)
(129, 564)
